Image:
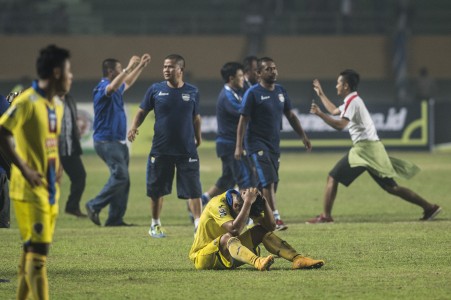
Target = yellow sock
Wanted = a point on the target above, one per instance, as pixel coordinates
(36, 274)
(277, 246)
(240, 252)
(22, 286)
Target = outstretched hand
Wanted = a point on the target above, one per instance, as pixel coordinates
(314, 109)
(317, 87)
(133, 63)
(145, 60)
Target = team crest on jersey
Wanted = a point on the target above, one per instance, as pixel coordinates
(222, 212)
(152, 159)
(281, 98)
(185, 97)
(52, 119)
(260, 153)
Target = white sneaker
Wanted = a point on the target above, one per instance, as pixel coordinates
(156, 231)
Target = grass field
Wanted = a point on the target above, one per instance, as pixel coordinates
(377, 248)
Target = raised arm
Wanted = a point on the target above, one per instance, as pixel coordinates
(137, 121)
(338, 124)
(116, 83)
(296, 125)
(237, 225)
(331, 108)
(134, 74)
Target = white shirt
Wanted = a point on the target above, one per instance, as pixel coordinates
(361, 126)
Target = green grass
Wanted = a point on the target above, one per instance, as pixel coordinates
(375, 250)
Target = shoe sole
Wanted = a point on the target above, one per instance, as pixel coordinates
(156, 236)
(436, 212)
(91, 215)
(281, 228)
(314, 266)
(269, 264)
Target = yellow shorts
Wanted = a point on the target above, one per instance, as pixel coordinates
(36, 220)
(211, 258)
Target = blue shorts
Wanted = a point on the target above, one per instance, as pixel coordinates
(160, 175)
(239, 172)
(267, 167)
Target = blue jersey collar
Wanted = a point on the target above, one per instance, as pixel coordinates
(36, 87)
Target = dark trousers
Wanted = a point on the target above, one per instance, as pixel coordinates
(73, 166)
(4, 201)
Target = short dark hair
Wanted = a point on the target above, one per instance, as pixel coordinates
(50, 58)
(179, 60)
(352, 78)
(108, 64)
(230, 69)
(262, 60)
(247, 62)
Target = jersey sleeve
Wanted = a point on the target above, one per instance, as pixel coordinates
(248, 103)
(220, 214)
(17, 114)
(287, 106)
(148, 101)
(231, 104)
(350, 111)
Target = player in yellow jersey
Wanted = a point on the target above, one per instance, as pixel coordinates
(219, 242)
(32, 123)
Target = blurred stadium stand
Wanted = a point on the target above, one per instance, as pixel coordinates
(285, 18)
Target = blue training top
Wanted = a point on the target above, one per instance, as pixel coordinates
(175, 109)
(228, 115)
(265, 109)
(110, 122)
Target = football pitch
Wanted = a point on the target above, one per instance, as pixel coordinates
(376, 249)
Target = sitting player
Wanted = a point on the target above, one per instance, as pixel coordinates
(219, 243)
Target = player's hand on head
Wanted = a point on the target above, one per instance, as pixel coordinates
(249, 195)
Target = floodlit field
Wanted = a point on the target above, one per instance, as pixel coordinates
(377, 248)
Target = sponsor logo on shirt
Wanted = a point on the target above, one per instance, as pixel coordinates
(265, 97)
(192, 159)
(222, 212)
(185, 97)
(281, 98)
(162, 94)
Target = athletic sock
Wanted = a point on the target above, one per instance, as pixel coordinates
(196, 222)
(36, 274)
(156, 222)
(276, 214)
(206, 196)
(22, 286)
(240, 252)
(277, 246)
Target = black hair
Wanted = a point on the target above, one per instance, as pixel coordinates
(50, 58)
(108, 64)
(262, 60)
(247, 62)
(179, 60)
(352, 78)
(230, 69)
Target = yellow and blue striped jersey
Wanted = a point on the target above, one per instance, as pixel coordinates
(35, 124)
